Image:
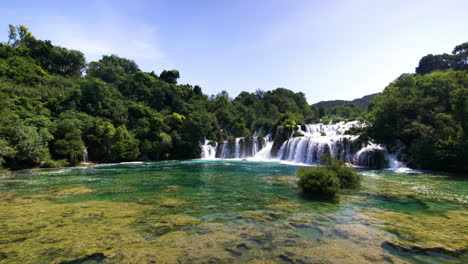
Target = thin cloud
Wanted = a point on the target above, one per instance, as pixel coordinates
(136, 41)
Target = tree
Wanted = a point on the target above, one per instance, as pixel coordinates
(197, 90)
(71, 145)
(170, 76)
(103, 99)
(124, 146)
(460, 54)
(19, 36)
(427, 114)
(430, 63)
(111, 68)
(99, 140)
(12, 35)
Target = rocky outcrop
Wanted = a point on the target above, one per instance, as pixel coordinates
(281, 135)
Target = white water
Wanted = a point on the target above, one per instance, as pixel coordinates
(263, 153)
(239, 149)
(207, 150)
(318, 139)
(84, 156)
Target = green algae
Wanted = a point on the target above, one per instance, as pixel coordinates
(444, 234)
(282, 180)
(283, 206)
(46, 232)
(167, 223)
(224, 212)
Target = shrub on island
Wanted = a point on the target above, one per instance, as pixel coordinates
(327, 179)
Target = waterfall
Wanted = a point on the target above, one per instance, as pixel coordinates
(331, 139)
(372, 156)
(84, 156)
(308, 150)
(263, 151)
(318, 139)
(208, 151)
(255, 146)
(238, 148)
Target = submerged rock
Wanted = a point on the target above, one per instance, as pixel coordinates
(171, 188)
(281, 135)
(445, 234)
(281, 180)
(168, 223)
(171, 202)
(335, 251)
(282, 206)
(47, 232)
(71, 191)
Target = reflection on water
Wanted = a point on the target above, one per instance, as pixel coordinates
(227, 211)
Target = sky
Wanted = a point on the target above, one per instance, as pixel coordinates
(326, 49)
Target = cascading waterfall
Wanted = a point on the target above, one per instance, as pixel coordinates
(84, 156)
(239, 148)
(208, 149)
(330, 139)
(263, 150)
(318, 139)
(321, 139)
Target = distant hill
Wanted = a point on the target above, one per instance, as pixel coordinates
(362, 102)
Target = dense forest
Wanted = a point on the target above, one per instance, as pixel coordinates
(54, 106)
(334, 109)
(427, 115)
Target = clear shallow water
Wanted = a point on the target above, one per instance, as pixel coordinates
(225, 211)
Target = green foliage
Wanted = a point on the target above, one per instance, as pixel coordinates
(111, 68)
(327, 179)
(54, 163)
(427, 114)
(338, 119)
(71, 145)
(347, 176)
(170, 76)
(104, 100)
(31, 143)
(457, 61)
(289, 124)
(262, 123)
(298, 134)
(325, 120)
(21, 70)
(49, 110)
(124, 146)
(342, 108)
(318, 181)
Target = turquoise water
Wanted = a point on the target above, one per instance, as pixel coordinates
(225, 211)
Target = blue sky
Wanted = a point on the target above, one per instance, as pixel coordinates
(326, 49)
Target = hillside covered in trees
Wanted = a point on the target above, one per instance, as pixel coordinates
(56, 106)
(344, 108)
(426, 113)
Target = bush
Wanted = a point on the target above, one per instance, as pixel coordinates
(338, 119)
(347, 176)
(49, 163)
(298, 134)
(327, 179)
(318, 180)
